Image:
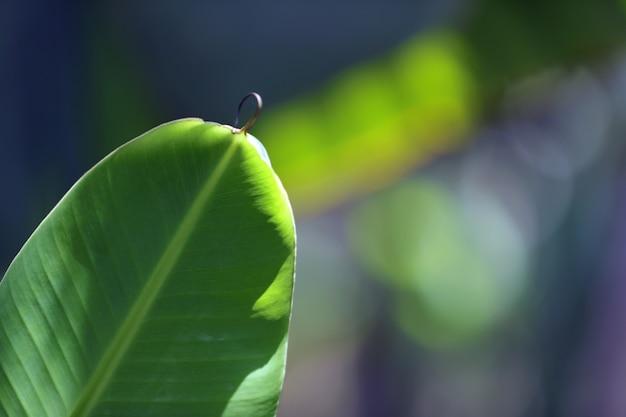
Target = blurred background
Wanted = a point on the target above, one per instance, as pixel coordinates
(457, 170)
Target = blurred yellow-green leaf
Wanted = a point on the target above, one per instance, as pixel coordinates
(372, 123)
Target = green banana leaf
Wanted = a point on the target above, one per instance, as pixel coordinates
(160, 285)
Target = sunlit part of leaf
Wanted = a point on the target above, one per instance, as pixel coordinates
(455, 267)
(159, 285)
(373, 123)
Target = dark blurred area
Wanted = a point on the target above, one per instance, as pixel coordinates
(457, 171)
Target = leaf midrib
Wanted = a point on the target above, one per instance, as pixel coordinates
(124, 337)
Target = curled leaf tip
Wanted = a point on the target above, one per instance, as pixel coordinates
(255, 116)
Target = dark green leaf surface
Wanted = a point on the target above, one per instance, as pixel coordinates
(160, 285)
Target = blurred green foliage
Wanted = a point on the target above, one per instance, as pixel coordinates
(512, 38)
(455, 266)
